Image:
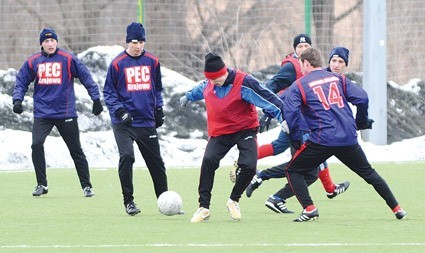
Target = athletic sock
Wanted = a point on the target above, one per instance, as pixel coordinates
(265, 150)
(310, 208)
(326, 180)
(397, 208)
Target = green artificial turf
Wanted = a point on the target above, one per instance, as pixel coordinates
(65, 221)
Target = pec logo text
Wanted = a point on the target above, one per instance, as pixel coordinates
(50, 73)
(138, 78)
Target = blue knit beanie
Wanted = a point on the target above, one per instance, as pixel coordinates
(135, 32)
(47, 33)
(340, 52)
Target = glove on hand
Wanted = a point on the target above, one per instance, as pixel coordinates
(295, 144)
(265, 122)
(184, 101)
(97, 107)
(365, 125)
(284, 126)
(159, 117)
(124, 116)
(17, 106)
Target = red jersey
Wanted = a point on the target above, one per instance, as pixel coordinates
(229, 114)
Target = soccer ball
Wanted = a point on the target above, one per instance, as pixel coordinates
(170, 203)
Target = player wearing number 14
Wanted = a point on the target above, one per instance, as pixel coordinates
(322, 98)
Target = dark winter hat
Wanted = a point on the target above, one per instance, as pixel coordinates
(301, 38)
(135, 32)
(214, 66)
(47, 33)
(340, 52)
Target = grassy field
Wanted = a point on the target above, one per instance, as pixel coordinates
(65, 221)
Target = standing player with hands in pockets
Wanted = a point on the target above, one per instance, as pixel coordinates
(53, 71)
(133, 95)
(322, 98)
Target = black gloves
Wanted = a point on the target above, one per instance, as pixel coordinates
(365, 125)
(97, 107)
(295, 144)
(159, 117)
(124, 116)
(265, 122)
(17, 106)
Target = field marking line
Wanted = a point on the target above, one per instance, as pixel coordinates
(212, 245)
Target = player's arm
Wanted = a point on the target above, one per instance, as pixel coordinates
(255, 93)
(282, 79)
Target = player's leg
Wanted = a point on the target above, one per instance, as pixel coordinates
(40, 131)
(68, 129)
(124, 139)
(150, 150)
(354, 158)
(301, 167)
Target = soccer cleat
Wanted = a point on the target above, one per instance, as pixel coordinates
(40, 190)
(202, 214)
(88, 192)
(234, 173)
(400, 214)
(277, 205)
(255, 183)
(339, 188)
(234, 210)
(132, 209)
(308, 216)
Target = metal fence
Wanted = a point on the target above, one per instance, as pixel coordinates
(250, 34)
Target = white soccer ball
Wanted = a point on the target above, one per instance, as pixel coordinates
(170, 203)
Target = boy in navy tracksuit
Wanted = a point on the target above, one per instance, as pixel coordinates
(133, 95)
(322, 97)
(53, 71)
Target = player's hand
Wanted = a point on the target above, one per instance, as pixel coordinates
(295, 144)
(265, 122)
(17, 106)
(284, 126)
(97, 107)
(159, 117)
(365, 125)
(124, 116)
(184, 101)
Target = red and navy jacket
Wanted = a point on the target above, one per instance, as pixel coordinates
(134, 83)
(289, 71)
(53, 76)
(322, 97)
(230, 108)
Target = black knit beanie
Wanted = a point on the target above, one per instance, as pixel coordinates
(214, 66)
(301, 38)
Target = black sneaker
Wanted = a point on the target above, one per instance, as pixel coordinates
(400, 214)
(308, 216)
(40, 190)
(255, 183)
(277, 206)
(339, 188)
(88, 192)
(132, 209)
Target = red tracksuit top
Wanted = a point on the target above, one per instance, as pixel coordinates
(230, 114)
